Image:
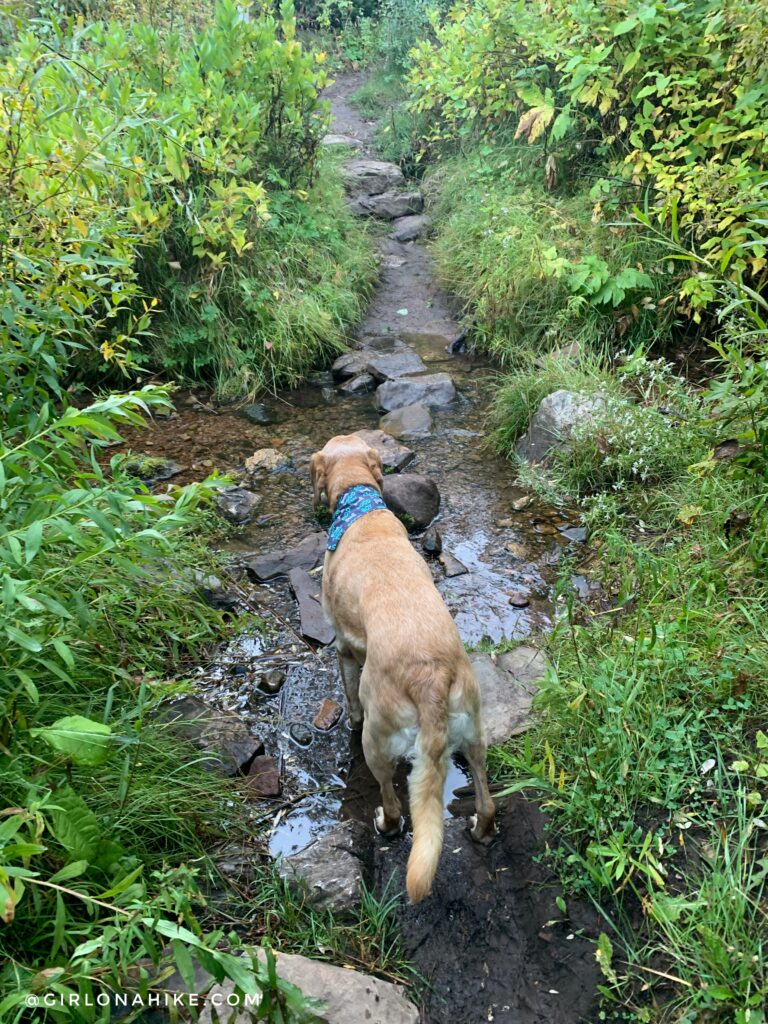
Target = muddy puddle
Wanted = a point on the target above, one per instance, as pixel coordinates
(277, 680)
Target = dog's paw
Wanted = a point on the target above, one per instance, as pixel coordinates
(383, 827)
(481, 835)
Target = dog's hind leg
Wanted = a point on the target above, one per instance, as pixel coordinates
(350, 677)
(383, 769)
(483, 827)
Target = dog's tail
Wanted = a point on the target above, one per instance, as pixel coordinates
(425, 791)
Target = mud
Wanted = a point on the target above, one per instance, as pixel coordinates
(489, 940)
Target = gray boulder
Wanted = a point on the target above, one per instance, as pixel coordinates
(333, 867)
(349, 997)
(371, 177)
(360, 384)
(223, 736)
(508, 686)
(412, 495)
(307, 554)
(406, 229)
(554, 421)
(409, 423)
(334, 139)
(237, 504)
(393, 456)
(387, 205)
(350, 364)
(389, 366)
(430, 389)
(258, 413)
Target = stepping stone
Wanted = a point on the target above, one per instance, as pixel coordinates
(314, 624)
(350, 364)
(413, 496)
(432, 542)
(305, 555)
(220, 734)
(554, 422)
(395, 364)
(451, 565)
(371, 177)
(508, 686)
(388, 205)
(258, 413)
(393, 455)
(263, 780)
(237, 504)
(328, 715)
(333, 867)
(359, 385)
(267, 460)
(430, 389)
(409, 423)
(406, 229)
(332, 139)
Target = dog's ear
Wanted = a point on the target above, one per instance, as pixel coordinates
(317, 473)
(374, 464)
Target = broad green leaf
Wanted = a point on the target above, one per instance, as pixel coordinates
(85, 741)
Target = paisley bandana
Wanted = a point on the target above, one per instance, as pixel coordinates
(352, 505)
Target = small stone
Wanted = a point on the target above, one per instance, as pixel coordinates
(516, 550)
(301, 734)
(522, 503)
(267, 460)
(451, 565)
(237, 504)
(546, 529)
(239, 671)
(272, 681)
(519, 600)
(328, 715)
(258, 413)
(575, 534)
(432, 542)
(505, 524)
(263, 779)
(359, 385)
(406, 229)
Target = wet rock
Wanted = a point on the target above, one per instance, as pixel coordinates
(409, 423)
(519, 600)
(388, 205)
(237, 504)
(544, 528)
(329, 395)
(263, 779)
(390, 366)
(328, 715)
(406, 229)
(314, 624)
(522, 503)
(575, 534)
(371, 177)
(518, 551)
(301, 734)
(333, 139)
(393, 455)
(350, 997)
(220, 734)
(451, 565)
(432, 389)
(272, 681)
(258, 413)
(350, 364)
(151, 470)
(432, 542)
(554, 421)
(508, 686)
(413, 496)
(305, 555)
(333, 867)
(359, 385)
(267, 460)
(215, 594)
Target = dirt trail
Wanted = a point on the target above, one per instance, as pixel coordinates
(490, 942)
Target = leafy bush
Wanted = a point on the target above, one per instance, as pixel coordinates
(669, 97)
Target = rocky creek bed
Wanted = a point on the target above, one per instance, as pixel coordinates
(490, 942)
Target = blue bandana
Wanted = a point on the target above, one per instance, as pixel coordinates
(352, 505)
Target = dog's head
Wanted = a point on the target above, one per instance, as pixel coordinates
(346, 460)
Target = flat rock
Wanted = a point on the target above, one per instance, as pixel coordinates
(333, 139)
(237, 504)
(350, 364)
(349, 997)
(267, 460)
(219, 733)
(333, 867)
(151, 470)
(393, 455)
(327, 715)
(314, 624)
(431, 389)
(406, 229)
(413, 496)
(508, 686)
(451, 565)
(263, 779)
(358, 385)
(554, 421)
(389, 366)
(432, 541)
(408, 423)
(387, 205)
(305, 555)
(366, 178)
(258, 413)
